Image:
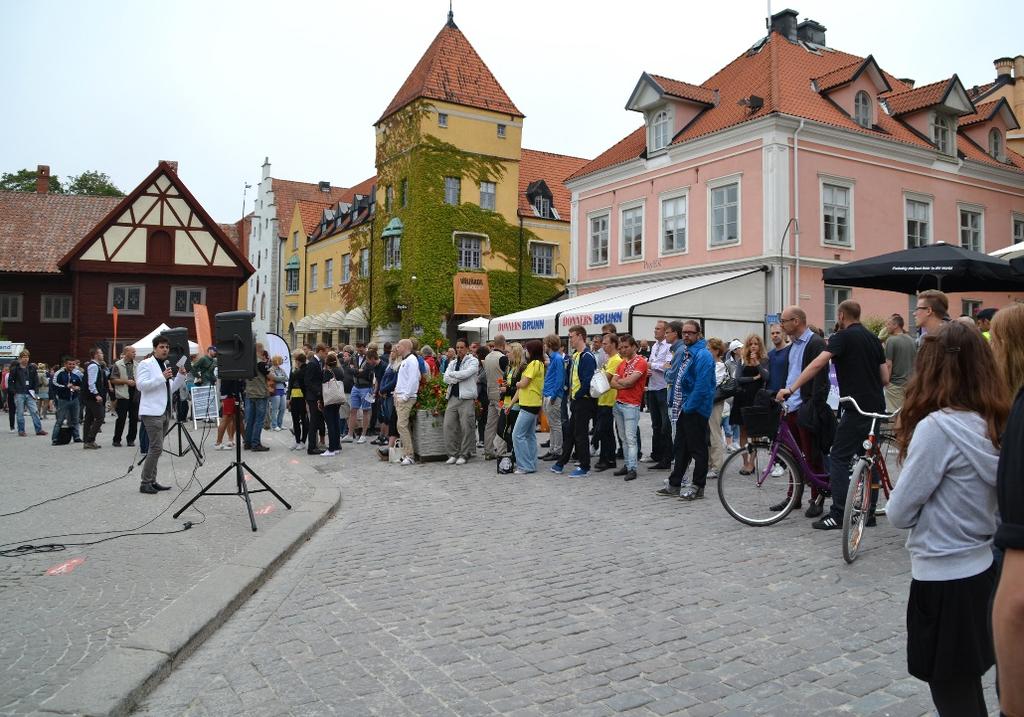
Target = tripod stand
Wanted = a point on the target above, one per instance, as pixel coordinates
(241, 489)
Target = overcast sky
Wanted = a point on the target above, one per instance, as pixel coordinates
(218, 85)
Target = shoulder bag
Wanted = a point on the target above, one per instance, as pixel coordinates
(334, 392)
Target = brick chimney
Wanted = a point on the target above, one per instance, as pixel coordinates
(1004, 67)
(43, 179)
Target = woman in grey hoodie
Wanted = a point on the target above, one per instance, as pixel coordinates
(953, 415)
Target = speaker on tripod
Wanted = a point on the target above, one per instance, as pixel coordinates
(236, 345)
(178, 340)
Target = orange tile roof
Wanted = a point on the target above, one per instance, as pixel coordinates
(37, 230)
(901, 103)
(287, 193)
(452, 71)
(684, 90)
(787, 90)
(982, 113)
(311, 213)
(554, 169)
(351, 218)
(838, 77)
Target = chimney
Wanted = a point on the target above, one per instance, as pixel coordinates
(43, 179)
(784, 23)
(811, 32)
(325, 187)
(1004, 68)
(172, 164)
(1018, 67)
(907, 81)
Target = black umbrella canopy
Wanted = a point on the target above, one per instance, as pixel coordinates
(935, 266)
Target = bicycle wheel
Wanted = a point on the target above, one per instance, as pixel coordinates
(767, 494)
(858, 501)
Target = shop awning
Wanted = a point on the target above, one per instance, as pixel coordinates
(304, 324)
(356, 319)
(336, 320)
(319, 322)
(732, 297)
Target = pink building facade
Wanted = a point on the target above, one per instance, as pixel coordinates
(796, 157)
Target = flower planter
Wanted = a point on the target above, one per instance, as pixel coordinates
(428, 435)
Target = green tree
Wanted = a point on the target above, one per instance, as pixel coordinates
(93, 183)
(24, 180)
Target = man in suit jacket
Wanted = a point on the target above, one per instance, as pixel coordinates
(156, 381)
(314, 395)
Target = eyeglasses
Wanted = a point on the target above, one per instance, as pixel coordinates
(785, 321)
(692, 333)
(922, 308)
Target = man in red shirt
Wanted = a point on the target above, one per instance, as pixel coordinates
(630, 380)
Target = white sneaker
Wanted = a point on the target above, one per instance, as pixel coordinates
(218, 446)
(451, 461)
(460, 461)
(347, 438)
(778, 471)
(329, 454)
(408, 461)
(231, 444)
(361, 439)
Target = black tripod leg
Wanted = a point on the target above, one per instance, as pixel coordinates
(267, 486)
(191, 442)
(243, 489)
(207, 487)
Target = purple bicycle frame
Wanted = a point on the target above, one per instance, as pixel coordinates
(784, 437)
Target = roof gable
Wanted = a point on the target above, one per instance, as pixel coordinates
(949, 94)
(651, 89)
(849, 73)
(553, 170)
(986, 111)
(161, 201)
(452, 71)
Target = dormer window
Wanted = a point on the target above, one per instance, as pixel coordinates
(542, 206)
(660, 130)
(862, 109)
(995, 144)
(942, 132)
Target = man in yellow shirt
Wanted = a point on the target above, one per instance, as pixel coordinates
(604, 421)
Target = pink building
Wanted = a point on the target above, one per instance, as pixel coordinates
(796, 157)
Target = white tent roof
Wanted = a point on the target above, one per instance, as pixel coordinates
(336, 320)
(304, 323)
(480, 323)
(319, 322)
(146, 342)
(636, 307)
(1009, 252)
(356, 318)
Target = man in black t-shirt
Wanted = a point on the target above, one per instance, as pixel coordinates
(862, 373)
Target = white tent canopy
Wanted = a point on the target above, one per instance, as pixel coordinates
(336, 320)
(730, 303)
(480, 323)
(145, 344)
(356, 319)
(1009, 252)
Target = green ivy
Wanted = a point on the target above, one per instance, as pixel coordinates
(428, 252)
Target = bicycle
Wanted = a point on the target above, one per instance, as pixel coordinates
(861, 497)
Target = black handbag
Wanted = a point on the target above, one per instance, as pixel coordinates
(728, 388)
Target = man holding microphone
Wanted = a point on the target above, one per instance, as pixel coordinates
(156, 380)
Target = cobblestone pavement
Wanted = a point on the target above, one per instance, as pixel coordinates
(443, 590)
(55, 626)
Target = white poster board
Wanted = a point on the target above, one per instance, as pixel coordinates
(204, 404)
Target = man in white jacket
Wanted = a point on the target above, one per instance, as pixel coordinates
(460, 416)
(153, 379)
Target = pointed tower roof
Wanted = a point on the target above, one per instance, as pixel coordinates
(451, 71)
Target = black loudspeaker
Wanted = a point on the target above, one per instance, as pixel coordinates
(236, 344)
(178, 339)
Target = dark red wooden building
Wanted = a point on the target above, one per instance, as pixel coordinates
(67, 261)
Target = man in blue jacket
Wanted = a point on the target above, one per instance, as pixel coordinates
(582, 406)
(691, 401)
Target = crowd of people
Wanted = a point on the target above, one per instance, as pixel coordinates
(960, 431)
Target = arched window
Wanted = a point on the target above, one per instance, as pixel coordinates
(862, 109)
(660, 130)
(942, 134)
(995, 143)
(263, 307)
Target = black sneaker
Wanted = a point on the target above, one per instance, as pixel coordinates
(602, 466)
(668, 491)
(815, 508)
(630, 475)
(779, 506)
(621, 471)
(692, 493)
(662, 466)
(870, 521)
(827, 523)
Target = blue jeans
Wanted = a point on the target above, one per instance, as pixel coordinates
(524, 441)
(277, 404)
(627, 416)
(66, 409)
(255, 412)
(20, 401)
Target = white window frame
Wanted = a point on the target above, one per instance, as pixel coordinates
(20, 297)
(547, 245)
(962, 207)
(364, 263)
(483, 246)
(606, 215)
(442, 119)
(187, 312)
(948, 126)
(290, 276)
(328, 273)
(314, 277)
(1016, 220)
(457, 183)
(842, 183)
(998, 151)
(141, 311)
(970, 307)
(54, 297)
(829, 289)
(719, 183)
(346, 268)
(663, 127)
(639, 205)
(923, 199)
(501, 131)
(857, 115)
(393, 252)
(493, 194)
(683, 194)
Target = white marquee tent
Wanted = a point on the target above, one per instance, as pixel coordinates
(145, 344)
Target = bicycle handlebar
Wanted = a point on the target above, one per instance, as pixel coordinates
(880, 416)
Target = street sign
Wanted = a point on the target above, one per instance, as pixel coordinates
(401, 307)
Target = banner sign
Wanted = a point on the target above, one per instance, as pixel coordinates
(472, 294)
(539, 326)
(593, 320)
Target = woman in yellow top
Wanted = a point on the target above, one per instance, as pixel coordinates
(530, 397)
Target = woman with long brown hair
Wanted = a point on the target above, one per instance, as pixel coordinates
(949, 434)
(1007, 332)
(751, 377)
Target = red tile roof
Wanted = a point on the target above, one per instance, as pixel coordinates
(780, 72)
(287, 193)
(901, 103)
(838, 77)
(351, 218)
(452, 71)
(684, 90)
(231, 232)
(311, 213)
(982, 113)
(554, 169)
(37, 230)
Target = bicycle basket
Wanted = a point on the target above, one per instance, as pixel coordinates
(762, 420)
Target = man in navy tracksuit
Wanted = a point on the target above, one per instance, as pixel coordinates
(690, 405)
(583, 406)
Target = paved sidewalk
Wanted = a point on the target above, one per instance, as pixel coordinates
(443, 590)
(59, 626)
